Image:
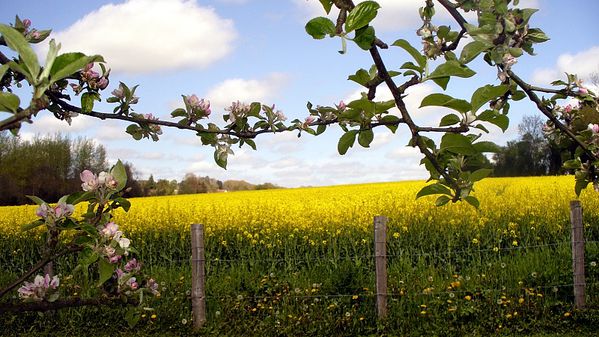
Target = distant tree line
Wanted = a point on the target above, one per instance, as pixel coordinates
(532, 154)
(49, 168)
(192, 184)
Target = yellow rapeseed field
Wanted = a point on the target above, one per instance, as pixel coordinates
(336, 209)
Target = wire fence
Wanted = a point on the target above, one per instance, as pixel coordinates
(381, 260)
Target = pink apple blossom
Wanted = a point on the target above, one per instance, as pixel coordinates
(132, 266)
(110, 229)
(90, 181)
(39, 288)
(594, 128)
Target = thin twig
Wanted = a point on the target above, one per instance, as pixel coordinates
(37, 267)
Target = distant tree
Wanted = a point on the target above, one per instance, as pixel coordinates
(238, 185)
(87, 155)
(267, 186)
(165, 187)
(133, 187)
(530, 155)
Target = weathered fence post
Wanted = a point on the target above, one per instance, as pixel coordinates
(198, 276)
(577, 253)
(380, 259)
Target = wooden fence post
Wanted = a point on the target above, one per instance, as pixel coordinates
(577, 253)
(380, 259)
(198, 276)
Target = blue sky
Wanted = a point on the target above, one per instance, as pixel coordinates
(257, 50)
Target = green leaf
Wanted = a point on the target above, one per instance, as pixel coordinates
(472, 201)
(436, 188)
(483, 147)
(320, 129)
(122, 202)
(9, 102)
(391, 119)
(87, 101)
(17, 42)
(3, 69)
(457, 143)
(450, 119)
(442, 82)
(472, 50)
(451, 68)
(106, 269)
(486, 93)
(32, 225)
(78, 197)
(326, 4)
(134, 131)
(361, 77)
(70, 63)
(480, 174)
(364, 37)
(572, 164)
(50, 58)
(179, 112)
(418, 57)
(447, 101)
(319, 27)
(412, 66)
(442, 200)
(119, 173)
(37, 200)
(527, 13)
(251, 143)
(361, 15)
(87, 257)
(536, 35)
(132, 316)
(221, 158)
(346, 141)
(365, 137)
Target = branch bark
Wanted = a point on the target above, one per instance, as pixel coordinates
(528, 89)
(37, 267)
(67, 303)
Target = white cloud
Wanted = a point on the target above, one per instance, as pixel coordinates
(112, 131)
(245, 90)
(145, 36)
(48, 124)
(583, 64)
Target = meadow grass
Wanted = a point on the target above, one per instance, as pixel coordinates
(300, 262)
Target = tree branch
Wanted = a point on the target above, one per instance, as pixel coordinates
(67, 303)
(529, 90)
(3, 58)
(461, 21)
(407, 119)
(37, 267)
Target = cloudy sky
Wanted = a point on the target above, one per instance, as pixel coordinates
(257, 50)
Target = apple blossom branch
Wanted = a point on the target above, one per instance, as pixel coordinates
(39, 265)
(42, 306)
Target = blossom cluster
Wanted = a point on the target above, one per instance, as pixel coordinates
(115, 245)
(197, 106)
(30, 33)
(153, 127)
(54, 213)
(91, 79)
(103, 180)
(42, 288)
(237, 110)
